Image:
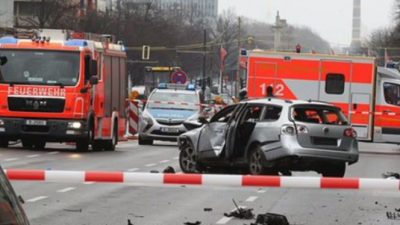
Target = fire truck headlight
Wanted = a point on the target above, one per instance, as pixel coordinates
(74, 125)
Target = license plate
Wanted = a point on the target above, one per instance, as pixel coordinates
(170, 130)
(36, 122)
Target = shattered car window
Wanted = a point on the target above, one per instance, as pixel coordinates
(318, 115)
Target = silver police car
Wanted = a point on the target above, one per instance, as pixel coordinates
(272, 136)
(167, 108)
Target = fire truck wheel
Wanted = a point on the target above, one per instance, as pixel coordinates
(82, 145)
(97, 145)
(38, 145)
(110, 144)
(3, 143)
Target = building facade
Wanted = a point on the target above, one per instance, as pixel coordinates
(6, 13)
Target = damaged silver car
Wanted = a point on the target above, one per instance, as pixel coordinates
(272, 136)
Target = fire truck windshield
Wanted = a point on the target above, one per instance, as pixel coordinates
(40, 67)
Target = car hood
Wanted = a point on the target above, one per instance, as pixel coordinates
(171, 114)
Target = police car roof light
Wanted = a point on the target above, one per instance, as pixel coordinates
(76, 43)
(8, 40)
(162, 86)
(191, 87)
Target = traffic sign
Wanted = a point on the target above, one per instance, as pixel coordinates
(179, 77)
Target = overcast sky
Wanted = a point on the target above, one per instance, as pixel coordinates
(332, 19)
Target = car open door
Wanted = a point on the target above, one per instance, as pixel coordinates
(212, 137)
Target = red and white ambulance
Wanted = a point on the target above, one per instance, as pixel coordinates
(369, 95)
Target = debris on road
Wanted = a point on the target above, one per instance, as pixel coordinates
(391, 175)
(397, 210)
(192, 223)
(393, 215)
(208, 209)
(271, 219)
(240, 213)
(169, 169)
(129, 222)
(73, 210)
(154, 171)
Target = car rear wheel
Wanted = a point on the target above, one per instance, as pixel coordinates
(188, 160)
(144, 141)
(334, 170)
(256, 167)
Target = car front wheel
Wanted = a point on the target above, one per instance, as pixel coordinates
(334, 170)
(188, 160)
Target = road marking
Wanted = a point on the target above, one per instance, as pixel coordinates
(261, 191)
(53, 153)
(10, 159)
(150, 165)
(224, 220)
(133, 169)
(37, 199)
(175, 158)
(66, 189)
(164, 161)
(89, 182)
(32, 156)
(251, 198)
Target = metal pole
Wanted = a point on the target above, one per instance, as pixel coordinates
(239, 46)
(204, 61)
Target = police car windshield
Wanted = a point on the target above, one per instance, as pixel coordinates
(40, 67)
(174, 100)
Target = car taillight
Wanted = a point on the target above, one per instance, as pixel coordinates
(350, 132)
(287, 129)
(302, 129)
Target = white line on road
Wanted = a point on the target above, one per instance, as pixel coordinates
(150, 165)
(261, 191)
(53, 153)
(133, 169)
(89, 182)
(37, 199)
(66, 189)
(33, 156)
(164, 161)
(224, 220)
(251, 198)
(175, 158)
(10, 159)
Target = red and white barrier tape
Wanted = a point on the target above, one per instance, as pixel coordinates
(159, 179)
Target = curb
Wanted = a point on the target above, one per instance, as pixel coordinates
(380, 153)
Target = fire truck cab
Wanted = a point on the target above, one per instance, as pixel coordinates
(70, 89)
(369, 95)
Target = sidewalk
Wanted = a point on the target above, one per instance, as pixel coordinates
(379, 148)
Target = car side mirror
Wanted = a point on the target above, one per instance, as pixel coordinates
(3, 60)
(202, 120)
(94, 80)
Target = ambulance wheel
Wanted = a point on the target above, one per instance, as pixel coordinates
(145, 141)
(110, 144)
(4, 143)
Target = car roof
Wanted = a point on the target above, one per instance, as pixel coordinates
(279, 101)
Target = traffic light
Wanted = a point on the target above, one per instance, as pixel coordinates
(145, 52)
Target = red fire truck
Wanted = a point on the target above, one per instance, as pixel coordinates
(68, 89)
(369, 95)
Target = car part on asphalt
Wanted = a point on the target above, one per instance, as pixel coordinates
(391, 175)
(271, 219)
(192, 223)
(240, 213)
(169, 169)
(207, 209)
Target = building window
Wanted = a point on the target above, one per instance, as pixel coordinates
(334, 84)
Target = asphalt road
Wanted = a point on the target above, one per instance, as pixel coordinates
(112, 204)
